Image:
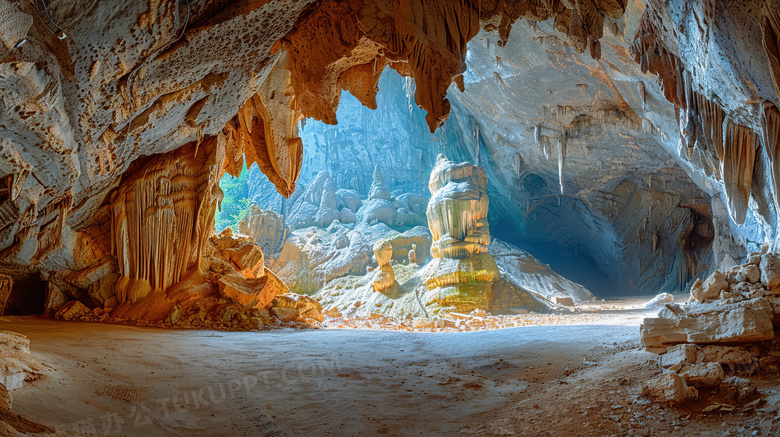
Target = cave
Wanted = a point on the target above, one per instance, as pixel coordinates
(357, 217)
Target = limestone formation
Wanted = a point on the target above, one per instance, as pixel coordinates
(378, 189)
(725, 318)
(457, 217)
(364, 36)
(457, 211)
(660, 300)
(16, 363)
(16, 367)
(6, 285)
(740, 154)
(267, 228)
(293, 307)
(384, 276)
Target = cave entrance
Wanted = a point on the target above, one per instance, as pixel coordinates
(28, 295)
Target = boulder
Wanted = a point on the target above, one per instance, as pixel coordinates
(55, 298)
(775, 302)
(669, 387)
(104, 290)
(711, 288)
(72, 310)
(770, 272)
(292, 307)
(740, 322)
(565, 301)
(745, 273)
(707, 374)
(348, 199)
(678, 356)
(347, 216)
(247, 259)
(14, 342)
(380, 210)
(724, 355)
(660, 300)
(252, 292)
(737, 389)
(14, 359)
(229, 240)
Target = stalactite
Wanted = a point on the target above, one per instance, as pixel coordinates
(265, 129)
(711, 117)
(770, 134)
(740, 153)
(429, 47)
(688, 125)
(562, 144)
(655, 239)
(518, 165)
(653, 57)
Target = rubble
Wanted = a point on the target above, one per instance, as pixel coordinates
(727, 327)
(669, 387)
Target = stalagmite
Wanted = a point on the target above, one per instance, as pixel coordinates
(457, 218)
(740, 153)
(384, 277)
(770, 133)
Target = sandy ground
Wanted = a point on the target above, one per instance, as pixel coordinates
(531, 380)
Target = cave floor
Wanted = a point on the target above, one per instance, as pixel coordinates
(581, 379)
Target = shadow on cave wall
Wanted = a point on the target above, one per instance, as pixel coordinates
(28, 295)
(581, 269)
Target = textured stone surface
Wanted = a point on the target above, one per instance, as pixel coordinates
(678, 356)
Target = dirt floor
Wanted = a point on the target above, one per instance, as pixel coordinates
(580, 378)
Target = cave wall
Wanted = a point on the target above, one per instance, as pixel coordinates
(91, 87)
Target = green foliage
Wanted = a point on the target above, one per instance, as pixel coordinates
(235, 201)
